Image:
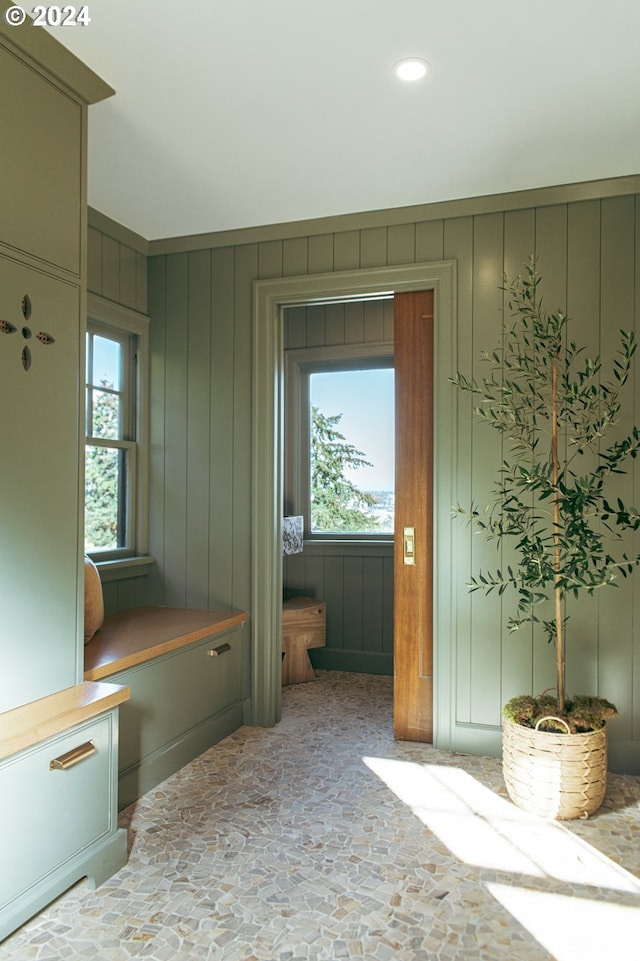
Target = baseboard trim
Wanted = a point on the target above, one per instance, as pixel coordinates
(147, 773)
(355, 662)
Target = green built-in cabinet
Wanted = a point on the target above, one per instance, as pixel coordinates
(181, 704)
(39, 477)
(58, 735)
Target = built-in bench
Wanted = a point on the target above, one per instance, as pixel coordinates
(184, 670)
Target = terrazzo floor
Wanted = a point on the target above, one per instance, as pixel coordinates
(323, 838)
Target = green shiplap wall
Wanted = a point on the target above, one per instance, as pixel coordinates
(116, 263)
(200, 301)
(117, 271)
(355, 581)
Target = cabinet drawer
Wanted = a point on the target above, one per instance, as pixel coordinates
(174, 693)
(49, 815)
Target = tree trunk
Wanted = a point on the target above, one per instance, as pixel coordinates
(556, 536)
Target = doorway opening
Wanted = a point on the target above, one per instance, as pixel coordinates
(339, 474)
(271, 299)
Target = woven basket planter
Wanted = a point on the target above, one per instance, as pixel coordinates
(561, 776)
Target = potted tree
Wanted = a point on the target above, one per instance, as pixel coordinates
(554, 408)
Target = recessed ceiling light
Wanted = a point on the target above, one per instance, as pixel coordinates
(411, 69)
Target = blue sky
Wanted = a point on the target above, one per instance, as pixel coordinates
(106, 361)
(365, 398)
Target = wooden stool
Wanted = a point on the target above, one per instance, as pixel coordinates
(303, 626)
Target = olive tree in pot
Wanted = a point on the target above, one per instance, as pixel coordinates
(554, 407)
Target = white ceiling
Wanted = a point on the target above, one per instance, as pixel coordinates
(236, 113)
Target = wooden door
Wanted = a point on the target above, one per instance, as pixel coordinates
(413, 600)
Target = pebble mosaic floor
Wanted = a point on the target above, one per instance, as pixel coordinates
(323, 839)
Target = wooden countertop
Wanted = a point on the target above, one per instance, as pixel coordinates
(32, 723)
(142, 633)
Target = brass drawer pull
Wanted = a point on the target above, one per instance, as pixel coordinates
(72, 757)
(222, 649)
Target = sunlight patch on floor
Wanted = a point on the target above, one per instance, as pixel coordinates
(572, 928)
(484, 829)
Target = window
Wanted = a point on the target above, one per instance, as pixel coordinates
(114, 436)
(351, 443)
(340, 442)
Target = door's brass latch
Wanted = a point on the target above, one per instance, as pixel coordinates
(409, 545)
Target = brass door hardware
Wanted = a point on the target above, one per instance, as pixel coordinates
(72, 757)
(409, 545)
(216, 651)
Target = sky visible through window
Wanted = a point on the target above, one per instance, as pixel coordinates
(365, 398)
(106, 361)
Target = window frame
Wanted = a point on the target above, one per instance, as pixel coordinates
(299, 364)
(128, 327)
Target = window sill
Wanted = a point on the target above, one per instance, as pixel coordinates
(355, 547)
(124, 567)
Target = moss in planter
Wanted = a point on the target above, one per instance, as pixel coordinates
(582, 713)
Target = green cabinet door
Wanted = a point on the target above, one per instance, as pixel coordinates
(39, 483)
(41, 164)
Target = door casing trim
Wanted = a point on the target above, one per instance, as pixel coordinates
(270, 298)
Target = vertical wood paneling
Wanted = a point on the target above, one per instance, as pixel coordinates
(220, 475)
(116, 271)
(358, 591)
(316, 325)
(198, 428)
(618, 304)
(174, 560)
(354, 323)
(551, 254)
(245, 272)
(296, 328)
(353, 600)
(321, 254)
(294, 575)
(334, 324)
(270, 259)
(94, 261)
(141, 283)
(373, 247)
(295, 257)
(387, 606)
(314, 577)
(127, 280)
(459, 247)
(334, 586)
(487, 626)
(110, 268)
(346, 250)
(372, 590)
(401, 242)
(429, 241)
(126, 594)
(157, 448)
(373, 321)
(519, 241)
(387, 321)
